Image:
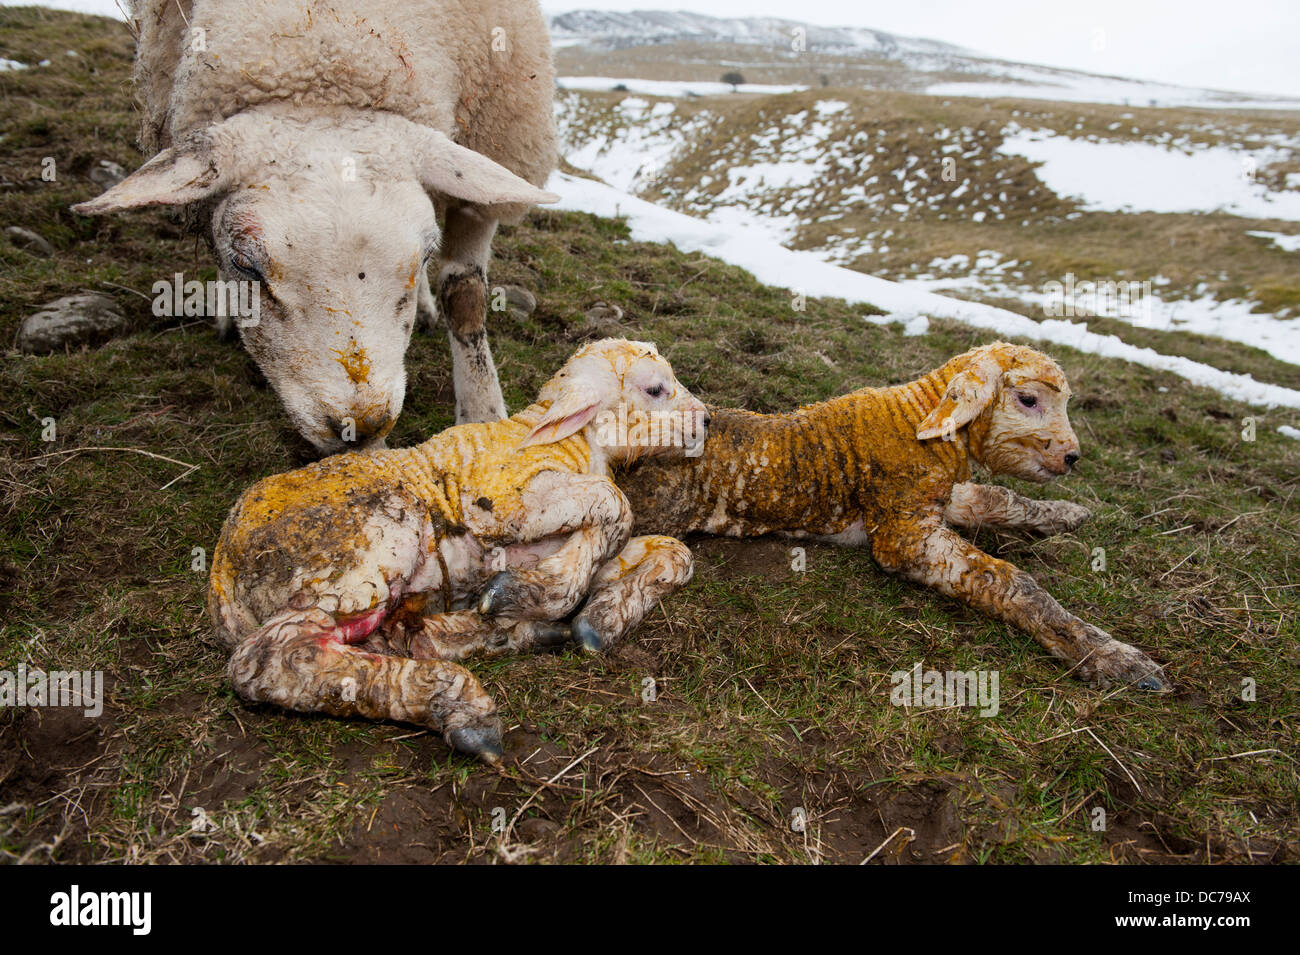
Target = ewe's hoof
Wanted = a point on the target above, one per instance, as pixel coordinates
(586, 636)
(483, 742)
(494, 593)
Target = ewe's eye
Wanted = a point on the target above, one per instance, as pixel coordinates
(242, 263)
(655, 391)
(1028, 401)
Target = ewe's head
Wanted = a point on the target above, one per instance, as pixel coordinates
(1011, 402)
(333, 220)
(628, 398)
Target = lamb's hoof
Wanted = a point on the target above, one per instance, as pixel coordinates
(586, 636)
(1156, 682)
(1120, 664)
(483, 742)
(494, 594)
(552, 634)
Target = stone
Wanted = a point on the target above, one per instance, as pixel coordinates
(86, 318)
(107, 174)
(519, 299)
(28, 241)
(604, 318)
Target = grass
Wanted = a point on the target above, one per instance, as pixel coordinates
(772, 686)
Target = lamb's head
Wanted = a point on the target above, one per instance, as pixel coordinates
(1011, 401)
(626, 395)
(333, 218)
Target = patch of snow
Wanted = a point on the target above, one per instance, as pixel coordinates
(805, 272)
(1083, 88)
(1289, 431)
(11, 65)
(1136, 176)
(1287, 243)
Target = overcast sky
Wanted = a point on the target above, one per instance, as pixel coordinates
(1248, 45)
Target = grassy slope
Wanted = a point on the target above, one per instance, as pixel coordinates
(773, 685)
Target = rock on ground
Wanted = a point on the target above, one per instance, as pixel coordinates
(28, 241)
(82, 319)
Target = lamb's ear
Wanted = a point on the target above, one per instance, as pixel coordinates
(968, 394)
(175, 177)
(453, 170)
(569, 414)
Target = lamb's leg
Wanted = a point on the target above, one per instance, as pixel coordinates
(298, 659)
(972, 506)
(462, 300)
(625, 588)
(944, 560)
(594, 515)
(464, 633)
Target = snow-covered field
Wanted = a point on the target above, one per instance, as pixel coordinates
(666, 87)
(762, 189)
(807, 273)
(1144, 177)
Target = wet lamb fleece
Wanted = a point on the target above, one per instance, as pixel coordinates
(889, 469)
(352, 586)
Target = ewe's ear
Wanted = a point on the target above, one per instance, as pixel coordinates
(968, 394)
(176, 176)
(569, 414)
(453, 170)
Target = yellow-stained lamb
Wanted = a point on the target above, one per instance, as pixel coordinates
(352, 586)
(889, 469)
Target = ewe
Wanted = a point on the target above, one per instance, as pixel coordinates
(316, 143)
(346, 587)
(887, 469)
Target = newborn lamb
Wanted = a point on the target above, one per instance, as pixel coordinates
(888, 469)
(352, 586)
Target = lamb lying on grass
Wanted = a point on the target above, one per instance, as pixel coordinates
(346, 587)
(888, 469)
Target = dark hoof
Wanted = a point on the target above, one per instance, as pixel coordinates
(585, 635)
(485, 743)
(494, 593)
(1155, 682)
(553, 634)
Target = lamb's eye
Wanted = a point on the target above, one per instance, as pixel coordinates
(1028, 401)
(655, 391)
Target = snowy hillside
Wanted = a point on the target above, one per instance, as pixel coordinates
(883, 60)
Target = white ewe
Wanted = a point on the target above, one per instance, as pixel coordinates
(317, 144)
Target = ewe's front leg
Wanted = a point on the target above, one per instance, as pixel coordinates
(953, 566)
(298, 659)
(462, 299)
(624, 590)
(596, 521)
(973, 506)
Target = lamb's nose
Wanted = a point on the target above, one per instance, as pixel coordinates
(1070, 459)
